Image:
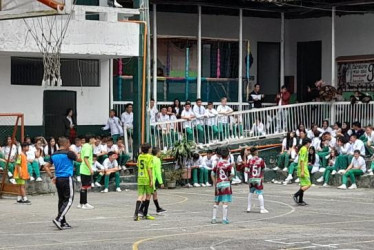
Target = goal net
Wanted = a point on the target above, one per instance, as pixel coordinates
(11, 135)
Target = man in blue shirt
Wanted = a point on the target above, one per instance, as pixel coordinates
(63, 159)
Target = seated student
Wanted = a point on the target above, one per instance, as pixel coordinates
(123, 156)
(356, 168)
(98, 169)
(331, 158)
(325, 127)
(32, 162)
(242, 162)
(208, 165)
(10, 152)
(111, 147)
(344, 160)
(39, 153)
(293, 166)
(258, 128)
(196, 165)
(336, 129)
(98, 150)
(357, 130)
(301, 137)
(313, 161)
(301, 128)
(110, 167)
(323, 150)
(288, 145)
(50, 148)
(367, 138)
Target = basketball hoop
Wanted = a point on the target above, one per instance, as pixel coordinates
(49, 32)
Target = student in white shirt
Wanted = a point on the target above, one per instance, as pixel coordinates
(242, 162)
(258, 128)
(164, 129)
(76, 148)
(236, 124)
(208, 166)
(325, 127)
(32, 162)
(114, 124)
(200, 114)
(356, 168)
(50, 148)
(188, 115)
(368, 139)
(223, 120)
(110, 167)
(153, 119)
(211, 122)
(127, 119)
(197, 168)
(173, 126)
(97, 169)
(10, 149)
(288, 146)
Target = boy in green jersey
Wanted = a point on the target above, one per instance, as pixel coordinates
(145, 181)
(303, 173)
(157, 180)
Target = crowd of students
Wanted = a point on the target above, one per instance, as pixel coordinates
(338, 149)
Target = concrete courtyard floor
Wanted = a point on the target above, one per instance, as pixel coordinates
(335, 219)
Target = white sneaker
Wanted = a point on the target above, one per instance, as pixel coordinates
(285, 183)
(208, 184)
(322, 170)
(343, 186)
(276, 168)
(79, 206)
(196, 185)
(13, 181)
(118, 190)
(264, 211)
(320, 179)
(325, 185)
(124, 168)
(289, 177)
(79, 179)
(353, 186)
(92, 185)
(39, 179)
(97, 184)
(297, 180)
(333, 172)
(371, 173)
(87, 206)
(341, 171)
(285, 169)
(105, 190)
(248, 210)
(32, 178)
(313, 185)
(203, 185)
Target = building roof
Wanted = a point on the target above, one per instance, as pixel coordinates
(265, 8)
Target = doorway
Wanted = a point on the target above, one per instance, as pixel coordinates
(268, 69)
(55, 105)
(309, 67)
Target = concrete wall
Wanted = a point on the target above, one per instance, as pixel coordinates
(92, 106)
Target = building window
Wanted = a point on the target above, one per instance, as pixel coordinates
(74, 72)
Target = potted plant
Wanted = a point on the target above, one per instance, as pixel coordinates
(172, 176)
(182, 153)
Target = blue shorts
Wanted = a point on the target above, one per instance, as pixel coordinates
(253, 190)
(223, 198)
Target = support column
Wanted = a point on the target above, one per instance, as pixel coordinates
(155, 52)
(199, 55)
(240, 73)
(282, 52)
(333, 67)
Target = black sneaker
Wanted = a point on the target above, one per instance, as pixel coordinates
(26, 202)
(57, 224)
(65, 226)
(295, 199)
(19, 202)
(302, 204)
(160, 211)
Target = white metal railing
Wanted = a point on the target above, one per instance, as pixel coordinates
(242, 126)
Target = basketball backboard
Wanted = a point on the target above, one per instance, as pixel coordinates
(15, 9)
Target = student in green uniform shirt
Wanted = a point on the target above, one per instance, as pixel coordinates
(157, 180)
(303, 173)
(86, 171)
(145, 181)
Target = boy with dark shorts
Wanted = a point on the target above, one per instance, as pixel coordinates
(145, 181)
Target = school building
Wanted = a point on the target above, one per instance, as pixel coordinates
(204, 49)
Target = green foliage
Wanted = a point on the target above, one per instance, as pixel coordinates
(173, 175)
(183, 150)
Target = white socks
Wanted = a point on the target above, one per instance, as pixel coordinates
(261, 199)
(249, 201)
(19, 198)
(225, 209)
(245, 177)
(215, 212)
